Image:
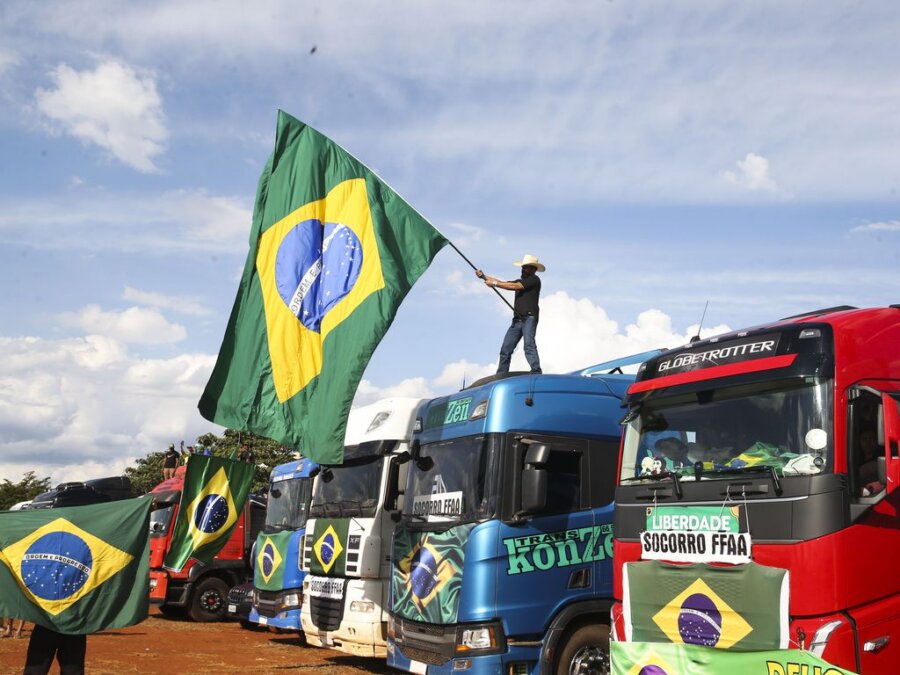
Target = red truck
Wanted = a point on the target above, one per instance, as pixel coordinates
(200, 590)
(796, 425)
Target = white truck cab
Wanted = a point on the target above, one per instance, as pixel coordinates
(347, 547)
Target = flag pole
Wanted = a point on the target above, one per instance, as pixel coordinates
(463, 256)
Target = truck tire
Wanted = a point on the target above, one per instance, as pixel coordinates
(208, 600)
(585, 652)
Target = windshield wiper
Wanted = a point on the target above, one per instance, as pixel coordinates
(676, 479)
(769, 469)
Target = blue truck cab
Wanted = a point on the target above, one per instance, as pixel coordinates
(501, 562)
(277, 577)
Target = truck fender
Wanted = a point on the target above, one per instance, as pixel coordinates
(571, 615)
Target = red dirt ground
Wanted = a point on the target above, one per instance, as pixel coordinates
(167, 646)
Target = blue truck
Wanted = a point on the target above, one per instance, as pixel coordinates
(277, 578)
(501, 562)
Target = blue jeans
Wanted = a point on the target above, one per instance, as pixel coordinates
(518, 329)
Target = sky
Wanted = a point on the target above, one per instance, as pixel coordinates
(655, 156)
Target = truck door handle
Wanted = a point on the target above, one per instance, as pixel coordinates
(876, 645)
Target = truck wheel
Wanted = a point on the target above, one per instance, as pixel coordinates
(208, 600)
(586, 652)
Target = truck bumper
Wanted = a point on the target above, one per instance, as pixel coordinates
(495, 664)
(360, 638)
(287, 620)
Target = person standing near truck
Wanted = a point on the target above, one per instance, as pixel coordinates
(525, 312)
(170, 462)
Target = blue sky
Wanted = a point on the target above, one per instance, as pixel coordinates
(654, 155)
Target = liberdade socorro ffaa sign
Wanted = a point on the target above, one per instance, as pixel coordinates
(695, 534)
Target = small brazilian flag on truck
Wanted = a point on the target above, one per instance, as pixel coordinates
(212, 499)
(79, 569)
(333, 252)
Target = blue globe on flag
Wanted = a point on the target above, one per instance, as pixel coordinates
(315, 268)
(57, 565)
(211, 513)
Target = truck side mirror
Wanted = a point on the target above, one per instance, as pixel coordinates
(534, 490)
(534, 478)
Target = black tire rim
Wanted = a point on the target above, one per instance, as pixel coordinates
(590, 660)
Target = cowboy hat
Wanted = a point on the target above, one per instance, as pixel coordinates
(530, 260)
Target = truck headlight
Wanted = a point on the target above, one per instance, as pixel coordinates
(363, 606)
(153, 582)
(291, 600)
(481, 638)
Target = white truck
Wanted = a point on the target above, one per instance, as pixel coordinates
(347, 547)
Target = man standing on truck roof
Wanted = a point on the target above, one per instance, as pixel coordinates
(170, 462)
(525, 312)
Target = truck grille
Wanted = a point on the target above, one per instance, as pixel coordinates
(325, 612)
(430, 643)
(268, 603)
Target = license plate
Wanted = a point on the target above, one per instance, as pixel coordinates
(232, 609)
(263, 621)
(326, 587)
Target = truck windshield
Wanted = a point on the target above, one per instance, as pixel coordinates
(453, 481)
(348, 489)
(785, 425)
(287, 505)
(161, 519)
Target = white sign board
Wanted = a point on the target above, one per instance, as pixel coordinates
(442, 505)
(694, 547)
(325, 587)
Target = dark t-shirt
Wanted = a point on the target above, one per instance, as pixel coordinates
(527, 299)
(171, 460)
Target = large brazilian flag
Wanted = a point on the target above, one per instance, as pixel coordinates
(77, 570)
(214, 493)
(333, 252)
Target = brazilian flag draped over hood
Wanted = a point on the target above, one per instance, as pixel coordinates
(214, 493)
(333, 252)
(79, 569)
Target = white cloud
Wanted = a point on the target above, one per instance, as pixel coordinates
(180, 304)
(173, 221)
(884, 226)
(752, 174)
(133, 325)
(84, 407)
(112, 106)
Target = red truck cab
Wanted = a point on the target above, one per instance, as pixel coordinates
(796, 424)
(200, 590)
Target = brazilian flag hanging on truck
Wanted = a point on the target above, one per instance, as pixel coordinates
(333, 253)
(79, 569)
(646, 658)
(740, 607)
(212, 499)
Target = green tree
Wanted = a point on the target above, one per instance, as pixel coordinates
(147, 471)
(13, 493)
(267, 453)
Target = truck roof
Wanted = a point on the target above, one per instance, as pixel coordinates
(548, 403)
(299, 468)
(872, 330)
(387, 419)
